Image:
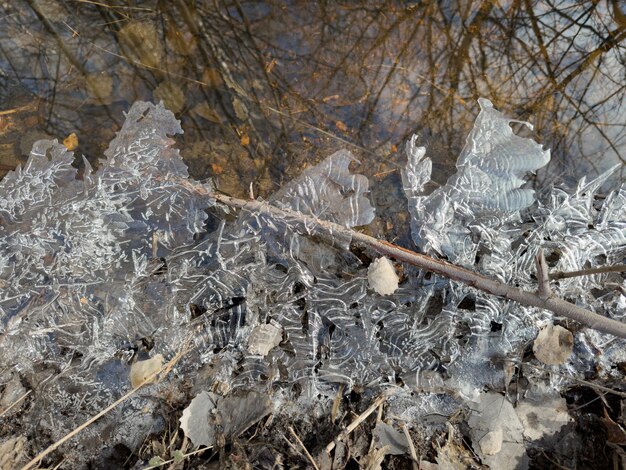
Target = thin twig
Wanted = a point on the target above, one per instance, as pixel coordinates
(358, 420)
(616, 268)
(184, 456)
(580, 381)
(543, 278)
(409, 439)
(336, 402)
(304, 449)
(335, 233)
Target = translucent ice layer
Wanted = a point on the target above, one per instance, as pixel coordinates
(101, 272)
(486, 189)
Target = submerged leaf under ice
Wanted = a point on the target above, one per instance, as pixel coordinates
(102, 271)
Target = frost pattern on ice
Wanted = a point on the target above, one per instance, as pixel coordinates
(80, 289)
(76, 254)
(476, 220)
(486, 190)
(330, 192)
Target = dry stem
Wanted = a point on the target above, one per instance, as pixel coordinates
(304, 449)
(543, 277)
(617, 268)
(412, 451)
(5, 411)
(358, 420)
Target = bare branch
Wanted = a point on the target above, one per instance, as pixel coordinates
(329, 232)
(616, 268)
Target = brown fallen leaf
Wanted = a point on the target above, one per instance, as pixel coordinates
(212, 77)
(140, 371)
(245, 139)
(553, 345)
(71, 142)
(205, 111)
(341, 126)
(615, 433)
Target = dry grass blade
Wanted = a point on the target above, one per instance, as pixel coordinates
(409, 439)
(358, 420)
(304, 449)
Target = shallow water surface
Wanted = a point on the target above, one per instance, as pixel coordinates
(265, 89)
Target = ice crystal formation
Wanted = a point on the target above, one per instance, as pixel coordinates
(120, 263)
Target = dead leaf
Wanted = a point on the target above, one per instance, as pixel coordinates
(493, 412)
(374, 460)
(491, 443)
(71, 142)
(341, 126)
(171, 94)
(542, 412)
(142, 43)
(205, 111)
(245, 139)
(453, 455)
(217, 169)
(264, 338)
(553, 345)
(212, 77)
(382, 277)
(615, 433)
(387, 437)
(181, 41)
(99, 86)
(240, 109)
(12, 453)
(141, 370)
(210, 418)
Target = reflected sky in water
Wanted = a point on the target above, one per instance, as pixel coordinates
(264, 89)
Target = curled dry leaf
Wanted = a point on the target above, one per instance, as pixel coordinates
(71, 142)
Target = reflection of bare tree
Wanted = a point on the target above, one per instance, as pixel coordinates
(367, 75)
(560, 63)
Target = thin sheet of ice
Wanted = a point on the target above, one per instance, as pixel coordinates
(81, 290)
(486, 189)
